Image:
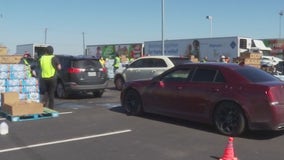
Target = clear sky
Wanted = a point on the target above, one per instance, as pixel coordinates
(132, 21)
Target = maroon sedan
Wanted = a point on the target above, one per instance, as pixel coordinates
(232, 97)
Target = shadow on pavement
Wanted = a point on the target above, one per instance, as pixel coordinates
(256, 135)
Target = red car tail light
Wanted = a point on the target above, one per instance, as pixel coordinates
(274, 95)
(104, 70)
(75, 70)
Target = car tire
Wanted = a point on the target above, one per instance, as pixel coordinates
(98, 93)
(229, 119)
(119, 82)
(60, 90)
(132, 103)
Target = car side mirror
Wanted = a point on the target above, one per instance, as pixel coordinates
(161, 84)
(156, 81)
(126, 66)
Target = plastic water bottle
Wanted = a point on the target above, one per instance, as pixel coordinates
(4, 128)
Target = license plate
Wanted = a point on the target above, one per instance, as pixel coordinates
(91, 74)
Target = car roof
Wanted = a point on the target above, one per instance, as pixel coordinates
(78, 57)
(216, 64)
(160, 57)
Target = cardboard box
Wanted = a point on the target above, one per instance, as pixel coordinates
(10, 59)
(9, 97)
(253, 61)
(22, 108)
(3, 50)
(251, 55)
(13, 106)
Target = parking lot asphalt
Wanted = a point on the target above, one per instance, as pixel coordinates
(98, 128)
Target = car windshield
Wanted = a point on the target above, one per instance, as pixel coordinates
(178, 60)
(256, 75)
(86, 63)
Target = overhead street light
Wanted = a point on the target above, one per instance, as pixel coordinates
(210, 18)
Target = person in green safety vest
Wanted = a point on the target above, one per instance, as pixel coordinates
(116, 63)
(28, 60)
(49, 65)
(205, 59)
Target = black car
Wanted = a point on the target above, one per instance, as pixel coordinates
(80, 74)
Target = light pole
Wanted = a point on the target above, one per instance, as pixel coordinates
(210, 18)
(162, 29)
(280, 18)
(84, 52)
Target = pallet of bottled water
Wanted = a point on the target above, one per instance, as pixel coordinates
(15, 78)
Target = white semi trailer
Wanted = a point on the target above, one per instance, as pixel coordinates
(213, 48)
(35, 50)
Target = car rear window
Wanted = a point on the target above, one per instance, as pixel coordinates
(179, 60)
(83, 63)
(256, 75)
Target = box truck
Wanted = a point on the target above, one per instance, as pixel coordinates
(127, 52)
(130, 50)
(212, 48)
(35, 50)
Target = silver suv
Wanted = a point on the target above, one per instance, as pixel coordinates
(146, 68)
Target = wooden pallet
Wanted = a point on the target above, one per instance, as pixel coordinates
(47, 113)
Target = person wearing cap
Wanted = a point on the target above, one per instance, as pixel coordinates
(27, 60)
(49, 65)
(223, 59)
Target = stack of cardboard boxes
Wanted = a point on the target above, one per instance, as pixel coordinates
(249, 58)
(10, 59)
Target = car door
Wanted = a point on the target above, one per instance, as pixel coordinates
(65, 65)
(162, 96)
(197, 97)
(133, 71)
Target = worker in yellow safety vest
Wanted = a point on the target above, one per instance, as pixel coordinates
(102, 61)
(49, 65)
(27, 59)
(116, 63)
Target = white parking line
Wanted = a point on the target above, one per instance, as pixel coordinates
(65, 141)
(65, 112)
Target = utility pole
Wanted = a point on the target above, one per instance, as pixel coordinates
(45, 35)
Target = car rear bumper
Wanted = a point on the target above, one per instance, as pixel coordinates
(273, 121)
(71, 87)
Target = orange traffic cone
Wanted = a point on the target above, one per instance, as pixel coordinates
(229, 151)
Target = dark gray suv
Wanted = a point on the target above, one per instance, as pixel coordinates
(80, 74)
